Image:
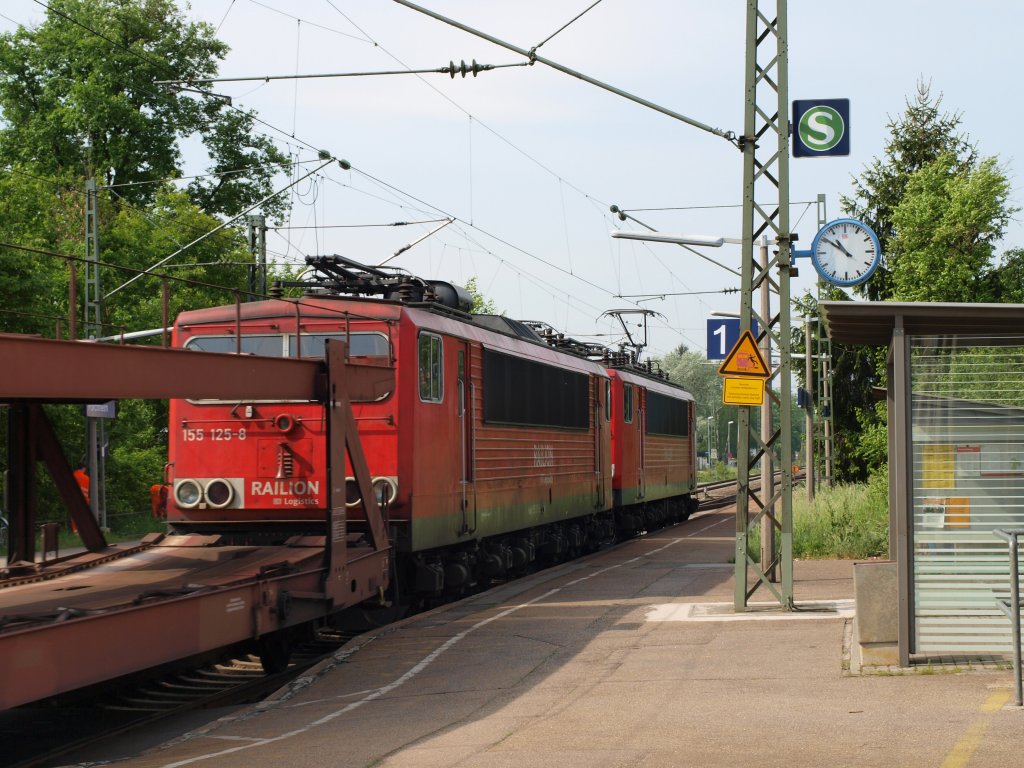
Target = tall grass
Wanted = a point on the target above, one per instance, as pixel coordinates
(720, 471)
(843, 522)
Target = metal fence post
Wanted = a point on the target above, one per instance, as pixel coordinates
(1011, 608)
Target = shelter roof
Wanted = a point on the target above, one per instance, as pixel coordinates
(872, 322)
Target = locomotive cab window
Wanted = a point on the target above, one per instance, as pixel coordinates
(431, 356)
(271, 345)
(627, 403)
(367, 344)
(607, 399)
(359, 344)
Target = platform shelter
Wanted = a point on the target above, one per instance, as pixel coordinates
(955, 394)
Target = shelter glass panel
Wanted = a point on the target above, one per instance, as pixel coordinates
(967, 437)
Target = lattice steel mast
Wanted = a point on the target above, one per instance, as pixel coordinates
(765, 145)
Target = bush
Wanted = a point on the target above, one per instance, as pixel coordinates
(844, 522)
(718, 472)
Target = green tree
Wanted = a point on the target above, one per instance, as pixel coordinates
(482, 305)
(143, 236)
(946, 227)
(77, 93)
(43, 214)
(77, 98)
(1006, 279)
(921, 135)
(695, 373)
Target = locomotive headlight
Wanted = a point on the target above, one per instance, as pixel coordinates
(188, 494)
(219, 493)
(284, 422)
(385, 489)
(352, 496)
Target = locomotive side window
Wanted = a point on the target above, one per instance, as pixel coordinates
(666, 415)
(607, 399)
(431, 368)
(267, 346)
(359, 344)
(627, 403)
(521, 391)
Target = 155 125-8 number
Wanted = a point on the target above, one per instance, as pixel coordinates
(215, 435)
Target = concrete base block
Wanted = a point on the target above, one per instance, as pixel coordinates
(876, 601)
(879, 654)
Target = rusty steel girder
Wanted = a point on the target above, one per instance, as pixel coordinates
(43, 370)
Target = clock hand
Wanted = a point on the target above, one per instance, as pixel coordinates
(839, 245)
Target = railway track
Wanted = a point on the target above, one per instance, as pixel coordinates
(38, 736)
(723, 493)
(78, 727)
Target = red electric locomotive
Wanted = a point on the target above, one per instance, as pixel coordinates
(492, 449)
(652, 449)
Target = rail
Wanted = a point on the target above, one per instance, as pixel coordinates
(704, 489)
(1012, 606)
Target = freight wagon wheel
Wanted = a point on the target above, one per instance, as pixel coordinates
(274, 651)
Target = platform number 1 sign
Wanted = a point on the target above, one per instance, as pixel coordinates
(723, 333)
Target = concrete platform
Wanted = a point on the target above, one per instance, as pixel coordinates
(625, 658)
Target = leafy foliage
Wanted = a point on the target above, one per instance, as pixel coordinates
(141, 237)
(36, 213)
(1006, 281)
(699, 376)
(921, 135)
(946, 227)
(77, 96)
(482, 305)
(78, 99)
(691, 370)
(846, 521)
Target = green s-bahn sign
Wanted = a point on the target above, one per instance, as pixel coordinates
(821, 127)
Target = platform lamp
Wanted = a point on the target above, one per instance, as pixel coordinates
(659, 237)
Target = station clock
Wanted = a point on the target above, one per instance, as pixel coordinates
(846, 252)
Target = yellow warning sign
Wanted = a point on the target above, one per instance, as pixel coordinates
(745, 359)
(743, 391)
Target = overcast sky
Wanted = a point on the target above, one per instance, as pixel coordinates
(529, 159)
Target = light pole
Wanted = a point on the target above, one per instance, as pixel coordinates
(710, 419)
(728, 437)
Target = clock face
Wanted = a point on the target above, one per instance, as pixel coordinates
(845, 252)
